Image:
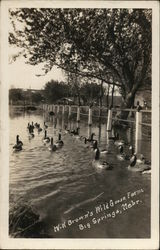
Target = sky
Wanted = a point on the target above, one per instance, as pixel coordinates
(22, 75)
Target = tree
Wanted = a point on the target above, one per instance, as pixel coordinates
(112, 45)
(16, 95)
(90, 92)
(55, 90)
(74, 84)
(36, 97)
(107, 95)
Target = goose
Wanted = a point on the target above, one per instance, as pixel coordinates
(122, 156)
(45, 125)
(59, 142)
(134, 166)
(46, 139)
(90, 139)
(102, 152)
(32, 125)
(66, 131)
(18, 145)
(52, 147)
(28, 125)
(100, 164)
(39, 129)
(75, 132)
(141, 159)
(31, 128)
(37, 125)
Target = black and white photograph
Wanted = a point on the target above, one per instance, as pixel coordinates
(79, 130)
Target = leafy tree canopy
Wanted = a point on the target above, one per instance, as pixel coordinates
(112, 45)
(16, 95)
(55, 90)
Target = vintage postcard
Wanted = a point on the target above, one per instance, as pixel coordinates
(79, 125)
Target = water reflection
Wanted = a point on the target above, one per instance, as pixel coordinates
(44, 185)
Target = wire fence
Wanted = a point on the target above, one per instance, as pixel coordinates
(138, 121)
(102, 112)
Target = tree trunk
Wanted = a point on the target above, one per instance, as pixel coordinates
(112, 95)
(100, 106)
(79, 100)
(100, 99)
(107, 101)
(128, 103)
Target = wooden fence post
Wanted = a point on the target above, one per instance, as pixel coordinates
(78, 114)
(89, 131)
(138, 134)
(108, 136)
(62, 122)
(53, 108)
(109, 120)
(57, 109)
(70, 110)
(58, 125)
(90, 117)
(63, 109)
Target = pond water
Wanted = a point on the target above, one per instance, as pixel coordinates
(62, 195)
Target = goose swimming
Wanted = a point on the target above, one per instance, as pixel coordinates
(59, 142)
(122, 156)
(97, 163)
(18, 145)
(45, 125)
(46, 139)
(52, 147)
(89, 139)
(102, 152)
(136, 167)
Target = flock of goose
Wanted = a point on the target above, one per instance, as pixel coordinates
(52, 147)
(135, 164)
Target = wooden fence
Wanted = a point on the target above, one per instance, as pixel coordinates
(109, 116)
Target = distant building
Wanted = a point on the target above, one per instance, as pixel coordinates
(65, 101)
